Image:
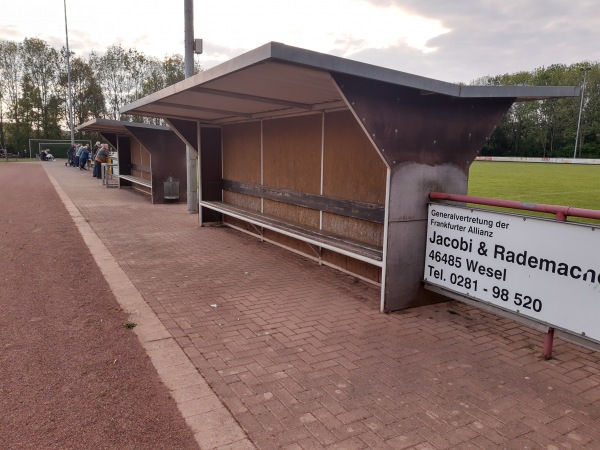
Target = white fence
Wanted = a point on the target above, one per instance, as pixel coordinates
(538, 160)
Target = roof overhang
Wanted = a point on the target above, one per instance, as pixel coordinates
(119, 128)
(276, 80)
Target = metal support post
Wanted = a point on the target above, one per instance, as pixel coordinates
(191, 155)
(548, 342)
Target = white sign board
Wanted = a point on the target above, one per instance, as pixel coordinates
(546, 270)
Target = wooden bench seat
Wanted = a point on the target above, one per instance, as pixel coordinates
(136, 180)
(358, 250)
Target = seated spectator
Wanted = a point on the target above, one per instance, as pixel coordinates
(45, 155)
(49, 156)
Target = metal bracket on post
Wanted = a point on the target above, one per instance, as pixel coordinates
(548, 341)
(198, 46)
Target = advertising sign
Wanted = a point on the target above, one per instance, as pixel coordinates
(545, 270)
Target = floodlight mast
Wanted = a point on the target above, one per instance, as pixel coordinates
(69, 78)
(189, 38)
(191, 155)
(585, 70)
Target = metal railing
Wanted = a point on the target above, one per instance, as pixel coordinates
(561, 212)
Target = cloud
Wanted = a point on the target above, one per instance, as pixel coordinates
(329, 26)
(494, 36)
(12, 33)
(444, 39)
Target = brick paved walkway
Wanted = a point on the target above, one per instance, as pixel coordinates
(302, 359)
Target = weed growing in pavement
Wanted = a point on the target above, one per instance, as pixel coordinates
(129, 325)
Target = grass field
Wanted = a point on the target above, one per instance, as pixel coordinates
(575, 185)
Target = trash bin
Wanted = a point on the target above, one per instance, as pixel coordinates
(171, 189)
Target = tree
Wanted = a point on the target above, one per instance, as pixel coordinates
(174, 69)
(548, 127)
(29, 115)
(590, 117)
(41, 68)
(11, 73)
(33, 97)
(121, 75)
(34, 83)
(159, 75)
(88, 99)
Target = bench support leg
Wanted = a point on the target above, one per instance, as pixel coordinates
(317, 250)
(259, 231)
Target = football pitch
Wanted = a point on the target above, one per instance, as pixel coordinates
(576, 185)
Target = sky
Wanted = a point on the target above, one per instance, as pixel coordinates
(450, 40)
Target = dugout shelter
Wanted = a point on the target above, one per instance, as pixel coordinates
(148, 156)
(333, 158)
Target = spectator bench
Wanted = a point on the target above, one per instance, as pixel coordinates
(358, 250)
(138, 181)
(9, 155)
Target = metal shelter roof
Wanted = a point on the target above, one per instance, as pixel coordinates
(277, 80)
(114, 126)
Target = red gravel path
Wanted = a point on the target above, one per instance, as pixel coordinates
(71, 376)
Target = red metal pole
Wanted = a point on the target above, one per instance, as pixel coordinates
(549, 336)
(512, 204)
(548, 342)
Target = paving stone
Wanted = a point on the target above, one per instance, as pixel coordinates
(339, 372)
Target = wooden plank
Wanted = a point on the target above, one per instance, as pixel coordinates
(241, 152)
(358, 250)
(241, 200)
(352, 228)
(302, 217)
(141, 168)
(352, 266)
(350, 208)
(291, 243)
(136, 152)
(292, 153)
(292, 214)
(352, 167)
(146, 157)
